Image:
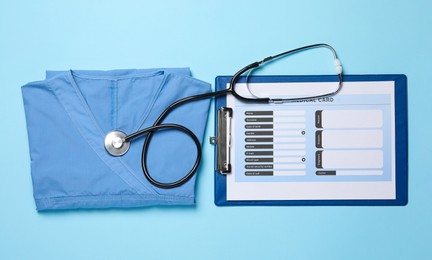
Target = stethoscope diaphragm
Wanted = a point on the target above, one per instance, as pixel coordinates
(115, 143)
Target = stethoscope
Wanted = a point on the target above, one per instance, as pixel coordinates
(117, 143)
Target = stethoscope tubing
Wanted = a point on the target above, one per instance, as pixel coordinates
(158, 125)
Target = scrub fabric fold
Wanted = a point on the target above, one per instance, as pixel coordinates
(68, 115)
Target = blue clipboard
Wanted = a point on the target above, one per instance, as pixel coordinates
(401, 141)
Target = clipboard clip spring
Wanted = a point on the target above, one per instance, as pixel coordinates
(222, 140)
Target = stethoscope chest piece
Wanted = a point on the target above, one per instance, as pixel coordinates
(115, 143)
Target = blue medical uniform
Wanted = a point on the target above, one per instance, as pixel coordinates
(68, 116)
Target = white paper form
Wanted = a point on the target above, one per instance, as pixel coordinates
(340, 147)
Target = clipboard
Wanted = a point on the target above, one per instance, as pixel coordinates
(330, 176)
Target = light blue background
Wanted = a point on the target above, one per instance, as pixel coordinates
(214, 38)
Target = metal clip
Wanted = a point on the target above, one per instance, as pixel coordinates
(222, 140)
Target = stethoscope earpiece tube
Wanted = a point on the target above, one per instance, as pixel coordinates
(256, 64)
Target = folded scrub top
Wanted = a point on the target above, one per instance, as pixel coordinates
(68, 116)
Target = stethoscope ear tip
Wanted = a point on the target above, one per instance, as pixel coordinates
(115, 143)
